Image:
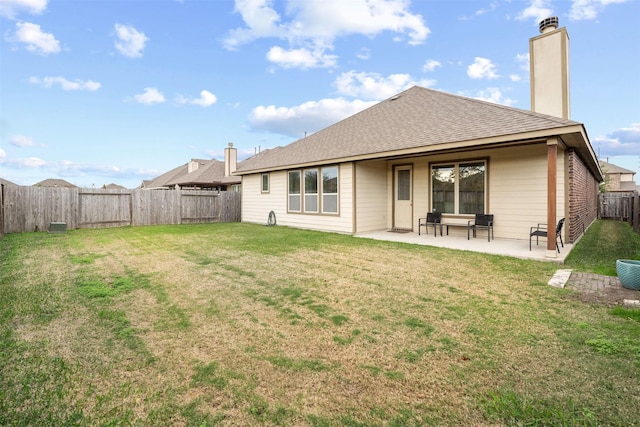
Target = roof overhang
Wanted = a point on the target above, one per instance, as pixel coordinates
(573, 137)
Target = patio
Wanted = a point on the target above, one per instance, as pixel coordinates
(508, 247)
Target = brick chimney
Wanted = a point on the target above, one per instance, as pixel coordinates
(230, 159)
(549, 68)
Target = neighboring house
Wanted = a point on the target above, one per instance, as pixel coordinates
(423, 150)
(6, 182)
(113, 186)
(201, 174)
(54, 182)
(617, 178)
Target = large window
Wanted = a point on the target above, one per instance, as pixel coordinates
(314, 190)
(458, 188)
(330, 190)
(311, 190)
(294, 191)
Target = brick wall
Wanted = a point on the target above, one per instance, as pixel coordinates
(583, 197)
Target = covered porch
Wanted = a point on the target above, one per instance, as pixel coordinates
(508, 247)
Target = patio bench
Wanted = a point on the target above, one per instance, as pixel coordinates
(456, 224)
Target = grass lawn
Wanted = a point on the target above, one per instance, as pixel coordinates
(238, 324)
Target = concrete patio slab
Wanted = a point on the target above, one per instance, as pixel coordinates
(508, 247)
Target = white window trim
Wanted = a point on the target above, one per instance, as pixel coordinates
(262, 177)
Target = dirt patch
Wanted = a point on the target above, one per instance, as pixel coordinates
(602, 290)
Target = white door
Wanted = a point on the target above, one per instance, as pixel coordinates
(403, 199)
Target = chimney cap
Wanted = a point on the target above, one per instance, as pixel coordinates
(549, 23)
(230, 144)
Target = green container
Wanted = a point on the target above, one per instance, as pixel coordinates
(629, 273)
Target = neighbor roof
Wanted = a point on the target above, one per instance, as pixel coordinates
(209, 172)
(611, 168)
(7, 182)
(417, 119)
(54, 182)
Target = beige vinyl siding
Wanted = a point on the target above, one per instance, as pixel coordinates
(516, 188)
(257, 205)
(372, 197)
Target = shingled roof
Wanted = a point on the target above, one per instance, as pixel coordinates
(417, 119)
(209, 173)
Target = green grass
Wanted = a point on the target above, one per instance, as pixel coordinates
(237, 324)
(602, 245)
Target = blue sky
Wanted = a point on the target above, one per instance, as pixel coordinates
(98, 92)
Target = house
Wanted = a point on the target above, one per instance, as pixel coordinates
(199, 174)
(424, 150)
(6, 182)
(113, 186)
(54, 182)
(617, 178)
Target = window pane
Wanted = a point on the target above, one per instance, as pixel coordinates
(443, 188)
(404, 185)
(294, 203)
(330, 203)
(265, 183)
(311, 181)
(311, 203)
(471, 188)
(294, 182)
(330, 180)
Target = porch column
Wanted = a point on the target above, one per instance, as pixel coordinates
(552, 185)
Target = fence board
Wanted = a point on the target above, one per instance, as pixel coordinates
(34, 208)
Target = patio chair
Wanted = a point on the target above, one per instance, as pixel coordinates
(481, 221)
(541, 231)
(434, 218)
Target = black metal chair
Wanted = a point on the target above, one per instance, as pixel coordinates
(483, 221)
(434, 218)
(541, 231)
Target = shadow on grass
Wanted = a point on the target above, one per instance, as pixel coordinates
(602, 244)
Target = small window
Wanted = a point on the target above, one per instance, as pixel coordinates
(265, 182)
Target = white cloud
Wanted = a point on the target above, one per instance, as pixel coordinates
(10, 8)
(589, 9)
(66, 84)
(523, 60)
(21, 141)
(25, 163)
(306, 118)
(364, 54)
(300, 58)
(515, 77)
(3, 154)
(150, 96)
(431, 65)
(493, 94)
(482, 68)
(131, 42)
(374, 86)
(537, 10)
(313, 26)
(35, 39)
(206, 99)
(623, 141)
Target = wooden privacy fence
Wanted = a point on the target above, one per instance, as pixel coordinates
(34, 208)
(621, 207)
